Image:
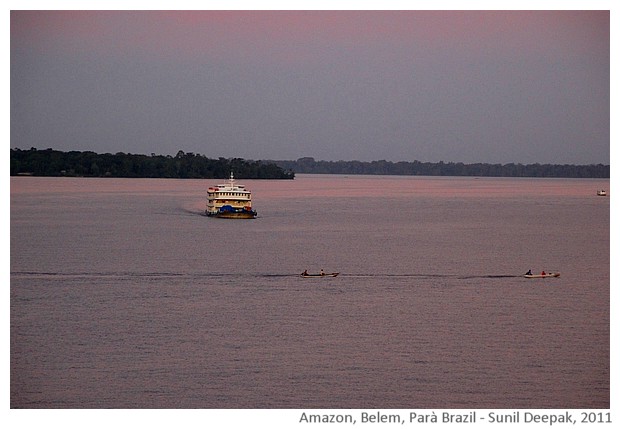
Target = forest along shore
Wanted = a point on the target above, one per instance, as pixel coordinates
(49, 162)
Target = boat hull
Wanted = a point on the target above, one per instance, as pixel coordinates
(234, 215)
(314, 276)
(541, 276)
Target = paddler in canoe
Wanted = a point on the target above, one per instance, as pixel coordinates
(321, 274)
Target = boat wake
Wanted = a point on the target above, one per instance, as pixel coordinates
(493, 276)
(196, 211)
(144, 275)
(65, 275)
(437, 276)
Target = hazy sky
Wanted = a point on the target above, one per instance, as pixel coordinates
(470, 86)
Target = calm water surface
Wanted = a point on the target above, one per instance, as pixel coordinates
(123, 295)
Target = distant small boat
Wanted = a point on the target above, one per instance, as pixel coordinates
(306, 275)
(541, 276)
(601, 193)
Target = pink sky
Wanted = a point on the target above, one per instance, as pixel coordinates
(203, 32)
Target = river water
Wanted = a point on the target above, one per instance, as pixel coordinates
(124, 295)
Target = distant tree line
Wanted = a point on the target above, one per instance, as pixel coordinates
(183, 165)
(416, 168)
(51, 162)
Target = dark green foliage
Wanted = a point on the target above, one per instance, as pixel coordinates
(183, 165)
(417, 168)
(51, 162)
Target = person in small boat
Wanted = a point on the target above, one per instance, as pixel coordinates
(543, 273)
(529, 273)
(322, 272)
(305, 273)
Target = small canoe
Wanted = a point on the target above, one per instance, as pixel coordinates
(319, 275)
(541, 276)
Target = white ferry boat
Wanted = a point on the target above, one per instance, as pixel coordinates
(230, 201)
